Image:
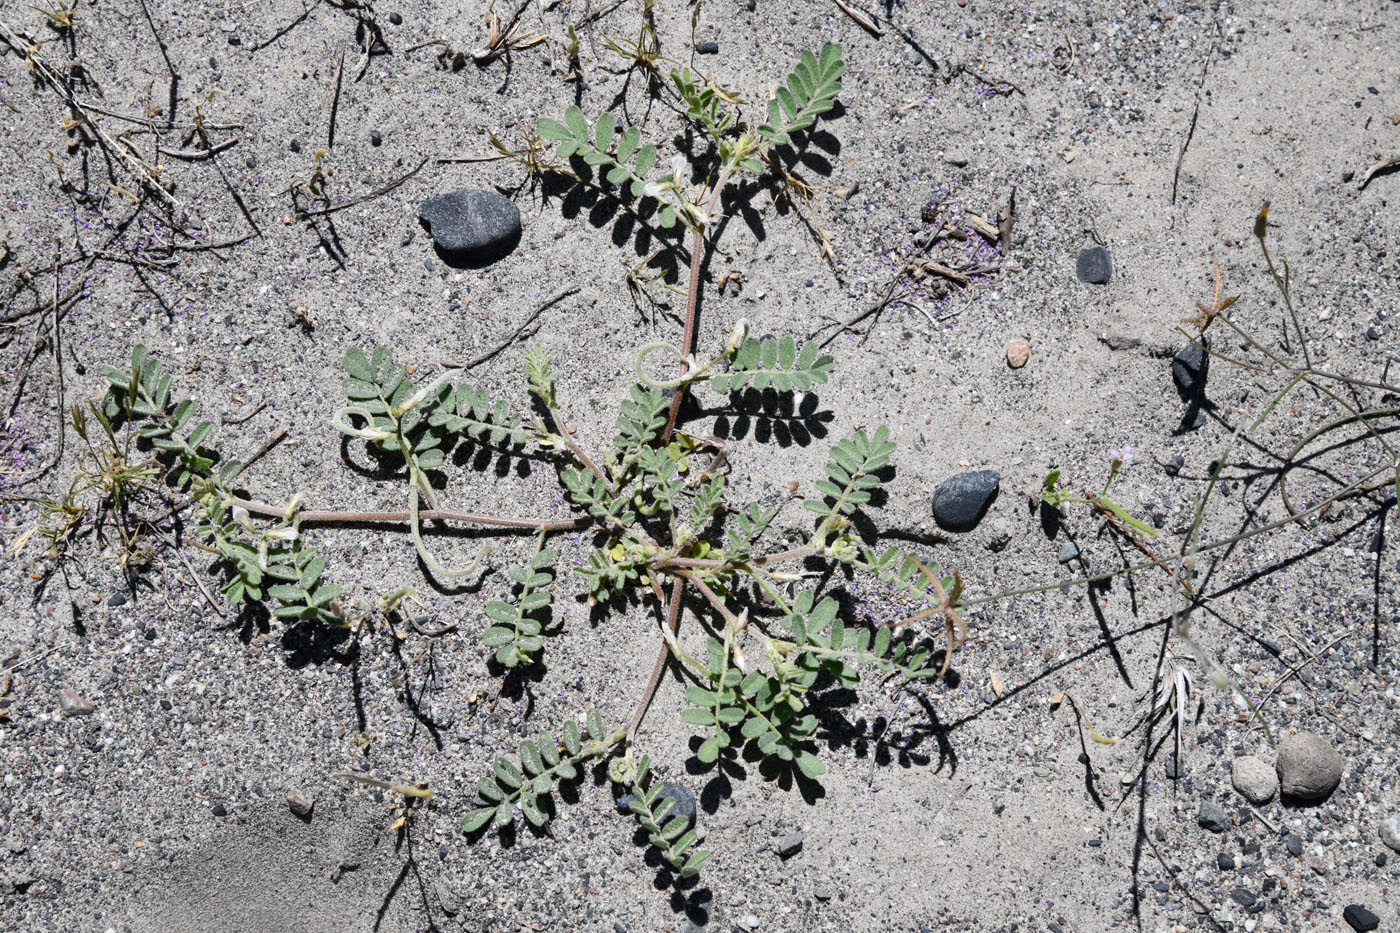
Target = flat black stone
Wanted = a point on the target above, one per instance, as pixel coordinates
(1190, 368)
(465, 221)
(959, 503)
(1294, 842)
(1094, 266)
(1360, 918)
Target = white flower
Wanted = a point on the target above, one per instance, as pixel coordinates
(240, 515)
(654, 189)
(288, 533)
(678, 164)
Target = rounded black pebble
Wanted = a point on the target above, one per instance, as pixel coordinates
(375, 137)
(296, 145)
(219, 810)
(1360, 919)
(396, 19)
(959, 503)
(1094, 266)
(1294, 842)
(707, 48)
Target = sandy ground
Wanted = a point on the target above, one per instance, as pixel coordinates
(969, 802)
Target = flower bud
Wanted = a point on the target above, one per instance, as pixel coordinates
(739, 334)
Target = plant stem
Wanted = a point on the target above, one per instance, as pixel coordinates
(451, 515)
(706, 564)
(692, 302)
(673, 618)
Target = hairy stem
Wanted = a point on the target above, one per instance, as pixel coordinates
(673, 618)
(451, 515)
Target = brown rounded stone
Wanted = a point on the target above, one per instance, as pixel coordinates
(1018, 351)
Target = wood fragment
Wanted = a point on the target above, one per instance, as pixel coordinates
(865, 22)
(1006, 218)
(377, 192)
(920, 267)
(983, 227)
(1381, 166)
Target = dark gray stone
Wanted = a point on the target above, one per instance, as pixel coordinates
(116, 599)
(1309, 768)
(1094, 266)
(789, 845)
(682, 800)
(1174, 465)
(1213, 817)
(465, 221)
(959, 503)
(707, 48)
(1294, 843)
(396, 19)
(1190, 368)
(1360, 919)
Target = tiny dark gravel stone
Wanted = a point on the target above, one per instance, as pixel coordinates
(219, 810)
(1213, 817)
(116, 599)
(470, 221)
(1360, 918)
(1174, 465)
(959, 503)
(1225, 862)
(1242, 897)
(1381, 860)
(396, 19)
(707, 48)
(1094, 266)
(296, 145)
(375, 137)
(1294, 842)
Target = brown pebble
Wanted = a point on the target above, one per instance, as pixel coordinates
(1395, 119)
(410, 369)
(1018, 350)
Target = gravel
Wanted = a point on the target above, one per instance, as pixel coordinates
(1360, 919)
(1309, 768)
(1254, 778)
(475, 223)
(960, 502)
(1094, 266)
(1212, 817)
